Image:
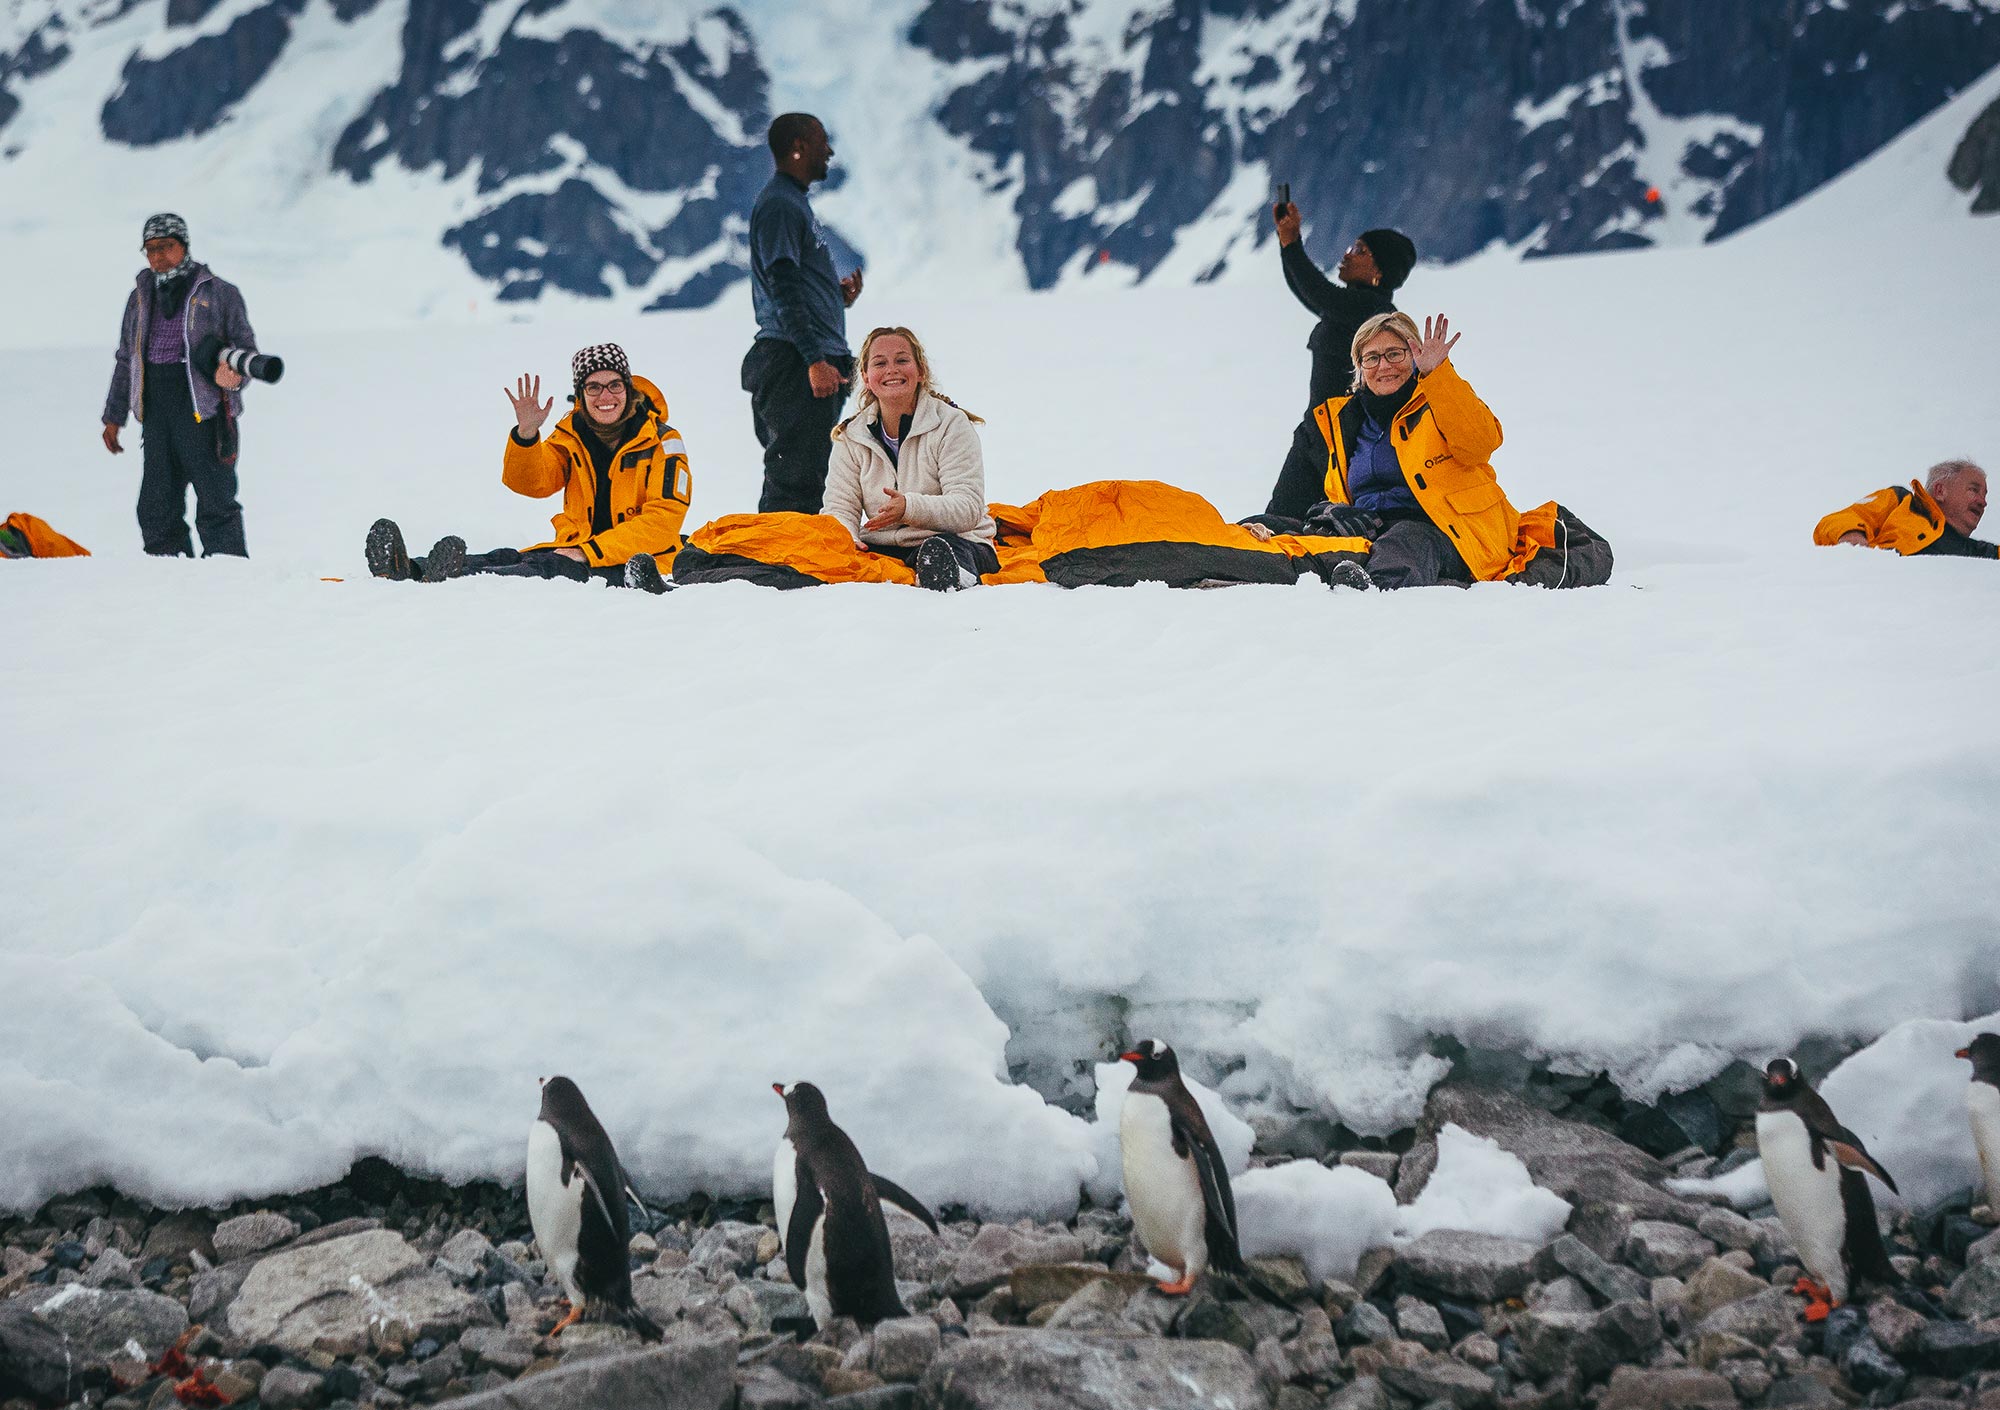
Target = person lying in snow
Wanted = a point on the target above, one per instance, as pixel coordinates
(907, 478)
(1936, 516)
(1401, 461)
(622, 471)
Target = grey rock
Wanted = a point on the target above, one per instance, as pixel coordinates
(1761, 1320)
(1283, 1275)
(764, 1388)
(905, 1348)
(1957, 1348)
(210, 1293)
(1362, 1393)
(1569, 1256)
(1870, 1368)
(40, 1364)
(1421, 1323)
(728, 1246)
(1315, 1356)
(338, 1229)
(1975, 1294)
(1715, 1285)
(1439, 1378)
(1011, 1370)
(1206, 1317)
(1587, 1345)
(464, 1255)
(997, 1250)
(250, 1234)
(342, 1295)
(1478, 1350)
(1337, 1297)
(772, 1301)
(1982, 1249)
(1774, 1245)
(1660, 1249)
(1469, 1267)
(102, 1324)
(498, 1349)
(1564, 1294)
(685, 1298)
(1097, 1306)
(1801, 1391)
(1274, 1365)
(1728, 1229)
(698, 1373)
(919, 1253)
(1747, 1376)
(112, 1270)
(1895, 1326)
(1365, 1323)
(880, 1398)
(1035, 1284)
(1680, 1389)
(1381, 1164)
(286, 1389)
(179, 1235)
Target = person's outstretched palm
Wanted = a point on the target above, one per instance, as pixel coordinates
(530, 411)
(1433, 348)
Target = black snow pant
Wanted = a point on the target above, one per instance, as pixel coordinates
(178, 452)
(794, 426)
(537, 563)
(1411, 551)
(973, 556)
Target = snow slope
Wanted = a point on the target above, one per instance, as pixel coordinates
(298, 870)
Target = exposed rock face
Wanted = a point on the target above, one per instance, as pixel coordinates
(347, 1294)
(1975, 164)
(1058, 1371)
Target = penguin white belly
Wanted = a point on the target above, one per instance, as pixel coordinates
(784, 1185)
(1807, 1198)
(819, 1301)
(1163, 1189)
(555, 1209)
(1982, 1106)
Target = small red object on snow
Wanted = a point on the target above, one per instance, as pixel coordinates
(1652, 195)
(1104, 256)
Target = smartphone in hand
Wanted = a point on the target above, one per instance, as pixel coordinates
(1284, 198)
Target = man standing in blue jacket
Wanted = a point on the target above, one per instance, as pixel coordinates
(187, 413)
(798, 369)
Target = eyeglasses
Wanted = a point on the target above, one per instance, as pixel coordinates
(1395, 357)
(602, 389)
(159, 247)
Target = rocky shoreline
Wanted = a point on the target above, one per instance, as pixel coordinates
(386, 1290)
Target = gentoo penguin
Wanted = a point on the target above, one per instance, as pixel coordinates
(576, 1201)
(1982, 1105)
(830, 1222)
(1175, 1179)
(1814, 1167)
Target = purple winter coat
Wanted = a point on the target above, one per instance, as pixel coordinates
(213, 306)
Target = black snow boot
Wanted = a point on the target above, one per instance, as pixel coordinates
(1348, 573)
(642, 571)
(446, 560)
(936, 565)
(387, 557)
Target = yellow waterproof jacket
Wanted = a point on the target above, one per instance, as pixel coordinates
(1443, 438)
(1907, 520)
(650, 486)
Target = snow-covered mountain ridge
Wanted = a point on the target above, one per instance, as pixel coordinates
(470, 151)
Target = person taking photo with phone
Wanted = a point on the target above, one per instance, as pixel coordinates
(1370, 272)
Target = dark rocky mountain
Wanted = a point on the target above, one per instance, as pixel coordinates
(582, 155)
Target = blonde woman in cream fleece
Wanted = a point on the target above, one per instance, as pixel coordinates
(907, 478)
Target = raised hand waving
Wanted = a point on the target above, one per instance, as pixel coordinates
(1433, 348)
(528, 414)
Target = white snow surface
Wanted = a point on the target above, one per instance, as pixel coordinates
(1329, 1217)
(1904, 1096)
(295, 871)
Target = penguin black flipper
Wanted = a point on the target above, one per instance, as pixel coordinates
(903, 1199)
(806, 1210)
(1845, 1145)
(1193, 1140)
(1866, 1254)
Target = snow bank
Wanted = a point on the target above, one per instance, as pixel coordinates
(1904, 1096)
(1482, 1189)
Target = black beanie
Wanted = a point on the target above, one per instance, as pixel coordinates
(1394, 255)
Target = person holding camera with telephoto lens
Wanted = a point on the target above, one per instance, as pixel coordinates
(170, 371)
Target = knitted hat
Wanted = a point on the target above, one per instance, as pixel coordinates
(600, 357)
(1394, 255)
(166, 226)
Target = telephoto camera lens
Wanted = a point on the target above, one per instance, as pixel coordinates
(263, 367)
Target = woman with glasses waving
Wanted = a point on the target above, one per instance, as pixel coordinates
(1401, 461)
(622, 472)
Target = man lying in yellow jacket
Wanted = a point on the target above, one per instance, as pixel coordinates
(1935, 516)
(621, 469)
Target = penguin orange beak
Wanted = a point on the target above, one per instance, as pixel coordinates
(1131, 1057)
(1964, 1053)
(778, 1087)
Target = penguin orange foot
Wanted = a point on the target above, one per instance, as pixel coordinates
(569, 1319)
(1819, 1299)
(1180, 1287)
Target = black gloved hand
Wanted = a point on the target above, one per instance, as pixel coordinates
(1341, 521)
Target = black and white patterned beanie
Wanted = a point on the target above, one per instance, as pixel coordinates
(166, 226)
(600, 357)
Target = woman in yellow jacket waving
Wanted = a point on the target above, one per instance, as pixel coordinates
(1403, 461)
